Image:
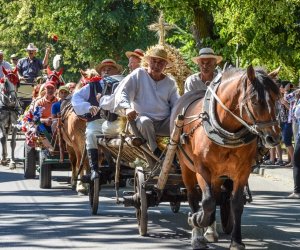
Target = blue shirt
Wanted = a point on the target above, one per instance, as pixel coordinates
(55, 108)
(29, 69)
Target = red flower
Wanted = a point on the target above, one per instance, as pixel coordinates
(54, 38)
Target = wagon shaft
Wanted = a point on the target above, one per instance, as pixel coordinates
(163, 177)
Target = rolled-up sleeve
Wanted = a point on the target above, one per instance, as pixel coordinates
(127, 94)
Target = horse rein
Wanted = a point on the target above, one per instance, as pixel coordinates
(256, 127)
(7, 107)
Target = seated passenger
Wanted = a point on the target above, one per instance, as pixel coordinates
(63, 92)
(85, 101)
(148, 96)
(46, 102)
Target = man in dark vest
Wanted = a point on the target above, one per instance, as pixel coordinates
(86, 102)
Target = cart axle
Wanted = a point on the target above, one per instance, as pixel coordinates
(130, 199)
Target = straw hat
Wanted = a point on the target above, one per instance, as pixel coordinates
(31, 47)
(13, 56)
(64, 88)
(137, 52)
(158, 52)
(206, 53)
(108, 62)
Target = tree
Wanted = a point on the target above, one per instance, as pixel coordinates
(88, 31)
(259, 32)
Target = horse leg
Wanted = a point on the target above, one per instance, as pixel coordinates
(194, 196)
(4, 148)
(190, 182)
(211, 234)
(81, 188)
(12, 163)
(237, 207)
(204, 217)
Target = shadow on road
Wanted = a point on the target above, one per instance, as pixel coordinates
(34, 217)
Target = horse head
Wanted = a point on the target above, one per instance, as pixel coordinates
(9, 87)
(55, 76)
(90, 75)
(258, 106)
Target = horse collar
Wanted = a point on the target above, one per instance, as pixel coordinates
(213, 129)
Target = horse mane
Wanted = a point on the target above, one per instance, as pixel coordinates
(262, 82)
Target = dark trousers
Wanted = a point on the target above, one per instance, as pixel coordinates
(296, 166)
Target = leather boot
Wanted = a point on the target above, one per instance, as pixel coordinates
(93, 162)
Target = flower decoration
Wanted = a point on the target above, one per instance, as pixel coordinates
(31, 125)
(54, 38)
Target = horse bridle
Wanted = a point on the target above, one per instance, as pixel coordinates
(255, 127)
(7, 97)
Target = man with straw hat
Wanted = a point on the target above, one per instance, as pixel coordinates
(134, 58)
(207, 61)
(108, 67)
(148, 96)
(85, 102)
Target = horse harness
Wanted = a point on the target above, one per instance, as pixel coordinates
(212, 128)
(5, 107)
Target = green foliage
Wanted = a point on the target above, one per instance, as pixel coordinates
(89, 31)
(265, 33)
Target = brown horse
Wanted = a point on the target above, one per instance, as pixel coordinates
(219, 143)
(73, 132)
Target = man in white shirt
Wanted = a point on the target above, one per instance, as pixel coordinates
(86, 102)
(148, 97)
(207, 62)
(3, 63)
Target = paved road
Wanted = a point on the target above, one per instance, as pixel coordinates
(32, 218)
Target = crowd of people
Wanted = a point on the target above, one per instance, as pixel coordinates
(147, 96)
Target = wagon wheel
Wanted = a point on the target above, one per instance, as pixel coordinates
(226, 216)
(141, 212)
(94, 189)
(175, 206)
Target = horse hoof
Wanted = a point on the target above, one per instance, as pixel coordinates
(81, 193)
(211, 237)
(198, 241)
(3, 162)
(237, 246)
(12, 166)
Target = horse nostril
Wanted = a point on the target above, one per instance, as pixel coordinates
(271, 140)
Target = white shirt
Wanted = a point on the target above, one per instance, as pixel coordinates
(147, 97)
(194, 82)
(80, 100)
(6, 65)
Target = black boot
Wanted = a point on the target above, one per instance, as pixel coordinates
(157, 152)
(93, 162)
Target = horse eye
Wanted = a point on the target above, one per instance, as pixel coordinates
(254, 102)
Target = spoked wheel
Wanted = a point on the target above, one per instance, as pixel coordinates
(175, 206)
(94, 189)
(141, 212)
(226, 216)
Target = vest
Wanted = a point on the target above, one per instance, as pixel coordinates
(95, 88)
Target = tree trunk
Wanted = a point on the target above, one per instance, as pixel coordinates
(203, 25)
